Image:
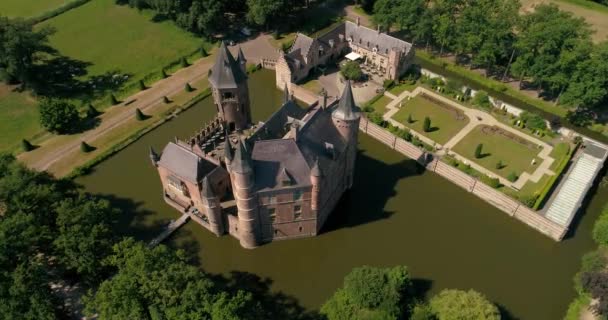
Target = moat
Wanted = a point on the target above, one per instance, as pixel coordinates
(395, 214)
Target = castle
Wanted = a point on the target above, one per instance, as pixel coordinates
(383, 55)
(275, 180)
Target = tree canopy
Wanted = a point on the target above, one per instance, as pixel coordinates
(351, 71)
(58, 116)
(457, 304)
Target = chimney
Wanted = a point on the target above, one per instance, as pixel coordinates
(358, 21)
(295, 130)
(330, 150)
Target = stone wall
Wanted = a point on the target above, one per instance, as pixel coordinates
(496, 198)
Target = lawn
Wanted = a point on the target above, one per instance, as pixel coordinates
(313, 86)
(515, 156)
(29, 8)
(19, 118)
(444, 123)
(399, 88)
(118, 39)
(560, 151)
(380, 104)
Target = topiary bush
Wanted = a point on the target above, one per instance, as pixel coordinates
(426, 126)
(140, 116)
(512, 177)
(26, 146)
(85, 147)
(478, 151)
(188, 88)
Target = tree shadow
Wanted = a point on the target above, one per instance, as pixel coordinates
(274, 305)
(432, 129)
(485, 155)
(365, 202)
(505, 314)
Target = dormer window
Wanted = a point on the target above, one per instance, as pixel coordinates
(227, 95)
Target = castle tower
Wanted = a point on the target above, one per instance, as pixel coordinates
(212, 208)
(230, 91)
(346, 117)
(394, 58)
(242, 176)
(242, 61)
(228, 155)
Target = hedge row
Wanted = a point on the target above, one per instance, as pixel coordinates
(53, 13)
(85, 168)
(542, 195)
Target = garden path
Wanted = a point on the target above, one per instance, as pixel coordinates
(477, 117)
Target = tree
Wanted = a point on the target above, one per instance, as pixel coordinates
(373, 293)
(588, 84)
(142, 85)
(596, 283)
(86, 236)
(91, 111)
(58, 116)
(426, 125)
(479, 151)
(404, 14)
(533, 121)
(21, 48)
(351, 71)
(481, 99)
(600, 229)
(457, 304)
(114, 100)
(260, 12)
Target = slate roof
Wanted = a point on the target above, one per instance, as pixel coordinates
(207, 190)
(302, 43)
(226, 72)
(276, 160)
(184, 163)
(346, 109)
(351, 30)
(274, 127)
(242, 159)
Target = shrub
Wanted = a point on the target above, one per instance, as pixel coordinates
(91, 111)
(499, 165)
(454, 86)
(482, 100)
(84, 147)
(26, 146)
(512, 177)
(204, 52)
(478, 151)
(139, 115)
(142, 85)
(188, 88)
(58, 116)
(351, 71)
(529, 199)
(409, 118)
(492, 182)
(533, 121)
(113, 99)
(166, 99)
(387, 84)
(426, 126)
(184, 62)
(164, 74)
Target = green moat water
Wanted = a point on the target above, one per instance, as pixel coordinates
(395, 214)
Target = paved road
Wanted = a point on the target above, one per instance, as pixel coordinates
(146, 101)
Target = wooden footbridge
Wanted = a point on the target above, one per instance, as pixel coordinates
(174, 225)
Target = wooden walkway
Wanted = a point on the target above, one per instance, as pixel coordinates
(170, 229)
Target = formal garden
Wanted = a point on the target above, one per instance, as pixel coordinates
(499, 151)
(431, 118)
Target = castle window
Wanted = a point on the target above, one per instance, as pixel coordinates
(297, 212)
(227, 95)
(272, 199)
(272, 215)
(297, 195)
(300, 228)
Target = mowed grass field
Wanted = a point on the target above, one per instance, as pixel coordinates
(380, 104)
(29, 8)
(444, 123)
(595, 14)
(516, 157)
(119, 39)
(18, 117)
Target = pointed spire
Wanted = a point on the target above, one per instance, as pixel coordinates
(346, 110)
(286, 96)
(316, 169)
(207, 190)
(226, 72)
(242, 160)
(228, 155)
(285, 177)
(153, 156)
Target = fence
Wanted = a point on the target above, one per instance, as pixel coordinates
(496, 198)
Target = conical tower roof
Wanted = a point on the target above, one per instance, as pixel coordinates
(316, 169)
(242, 160)
(226, 73)
(228, 148)
(207, 190)
(346, 109)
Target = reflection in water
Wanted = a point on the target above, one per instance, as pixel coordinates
(395, 214)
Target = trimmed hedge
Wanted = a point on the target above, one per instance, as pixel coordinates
(542, 195)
